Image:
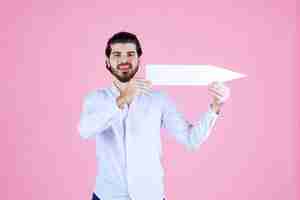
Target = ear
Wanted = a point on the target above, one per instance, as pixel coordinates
(107, 64)
(106, 60)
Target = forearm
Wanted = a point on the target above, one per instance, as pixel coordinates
(98, 119)
(93, 124)
(190, 135)
(200, 131)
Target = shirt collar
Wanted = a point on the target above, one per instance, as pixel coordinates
(114, 90)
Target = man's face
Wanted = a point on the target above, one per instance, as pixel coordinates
(123, 62)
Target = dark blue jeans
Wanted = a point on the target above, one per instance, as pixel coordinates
(97, 198)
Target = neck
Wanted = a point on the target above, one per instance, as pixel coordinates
(120, 86)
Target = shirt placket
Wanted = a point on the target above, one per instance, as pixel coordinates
(124, 148)
(129, 149)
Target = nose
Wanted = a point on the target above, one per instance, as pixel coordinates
(123, 59)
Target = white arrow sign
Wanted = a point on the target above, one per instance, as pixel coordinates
(188, 74)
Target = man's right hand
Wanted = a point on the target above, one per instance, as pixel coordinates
(135, 87)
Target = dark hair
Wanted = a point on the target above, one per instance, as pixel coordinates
(123, 37)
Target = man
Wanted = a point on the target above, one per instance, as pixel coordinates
(125, 119)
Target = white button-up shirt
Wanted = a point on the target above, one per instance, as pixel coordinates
(128, 143)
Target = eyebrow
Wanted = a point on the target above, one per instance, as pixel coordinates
(118, 52)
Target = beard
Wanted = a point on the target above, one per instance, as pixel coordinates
(123, 76)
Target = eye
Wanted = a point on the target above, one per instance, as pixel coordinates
(131, 54)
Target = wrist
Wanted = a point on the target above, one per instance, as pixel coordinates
(216, 107)
(121, 101)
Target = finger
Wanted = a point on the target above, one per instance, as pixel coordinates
(144, 90)
(216, 95)
(218, 87)
(221, 88)
(225, 93)
(219, 98)
(217, 91)
(213, 83)
(143, 83)
(213, 87)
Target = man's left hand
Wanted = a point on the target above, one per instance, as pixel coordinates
(220, 94)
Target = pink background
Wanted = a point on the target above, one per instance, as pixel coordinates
(52, 54)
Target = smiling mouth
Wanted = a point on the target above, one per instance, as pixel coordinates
(124, 67)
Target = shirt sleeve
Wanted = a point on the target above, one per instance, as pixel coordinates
(98, 113)
(191, 135)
